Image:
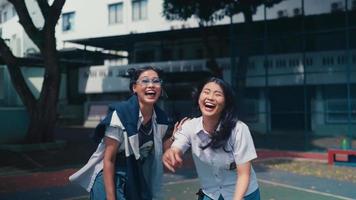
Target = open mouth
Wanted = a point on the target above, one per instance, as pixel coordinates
(150, 93)
(209, 106)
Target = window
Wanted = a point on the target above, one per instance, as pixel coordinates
(281, 63)
(308, 61)
(337, 111)
(268, 63)
(2, 83)
(145, 56)
(4, 16)
(115, 13)
(252, 110)
(14, 13)
(181, 54)
(199, 53)
(139, 10)
(293, 62)
(68, 21)
(167, 54)
(251, 65)
(329, 60)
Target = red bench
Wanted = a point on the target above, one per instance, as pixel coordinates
(342, 156)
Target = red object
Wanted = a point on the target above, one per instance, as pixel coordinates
(339, 153)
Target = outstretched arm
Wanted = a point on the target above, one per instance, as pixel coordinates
(243, 172)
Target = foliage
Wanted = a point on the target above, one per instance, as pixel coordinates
(210, 10)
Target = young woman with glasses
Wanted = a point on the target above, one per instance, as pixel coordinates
(221, 146)
(127, 163)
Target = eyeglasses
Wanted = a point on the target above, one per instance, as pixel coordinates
(146, 82)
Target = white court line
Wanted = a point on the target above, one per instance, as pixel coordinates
(304, 189)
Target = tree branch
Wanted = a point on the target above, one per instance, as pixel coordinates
(6, 53)
(56, 10)
(21, 87)
(44, 7)
(26, 21)
(17, 79)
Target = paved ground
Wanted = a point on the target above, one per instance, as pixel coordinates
(44, 175)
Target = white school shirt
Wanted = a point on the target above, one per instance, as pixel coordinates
(87, 174)
(213, 165)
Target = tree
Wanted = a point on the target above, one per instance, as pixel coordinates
(208, 12)
(42, 111)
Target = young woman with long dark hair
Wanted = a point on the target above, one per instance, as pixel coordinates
(128, 161)
(221, 145)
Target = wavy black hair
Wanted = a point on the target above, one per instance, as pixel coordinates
(228, 117)
(134, 73)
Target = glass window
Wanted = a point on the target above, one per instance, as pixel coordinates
(13, 11)
(68, 21)
(2, 83)
(139, 10)
(4, 16)
(337, 111)
(115, 13)
(252, 110)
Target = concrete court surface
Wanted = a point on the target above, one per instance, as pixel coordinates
(274, 185)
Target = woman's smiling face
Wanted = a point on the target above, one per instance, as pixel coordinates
(211, 100)
(148, 87)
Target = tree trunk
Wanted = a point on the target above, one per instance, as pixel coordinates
(43, 117)
(42, 124)
(42, 112)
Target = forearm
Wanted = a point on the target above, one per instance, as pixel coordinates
(243, 180)
(241, 186)
(109, 174)
(109, 167)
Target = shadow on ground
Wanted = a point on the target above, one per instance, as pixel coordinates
(75, 153)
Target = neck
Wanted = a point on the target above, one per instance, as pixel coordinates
(210, 124)
(147, 111)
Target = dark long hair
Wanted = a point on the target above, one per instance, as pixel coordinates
(134, 73)
(228, 117)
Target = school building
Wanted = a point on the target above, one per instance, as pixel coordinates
(301, 74)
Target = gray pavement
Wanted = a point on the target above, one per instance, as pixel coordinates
(274, 185)
(19, 169)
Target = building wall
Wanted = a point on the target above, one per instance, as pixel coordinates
(91, 21)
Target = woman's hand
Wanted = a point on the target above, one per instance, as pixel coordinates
(172, 159)
(178, 125)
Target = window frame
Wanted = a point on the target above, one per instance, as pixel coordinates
(2, 83)
(118, 11)
(329, 111)
(142, 6)
(68, 21)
